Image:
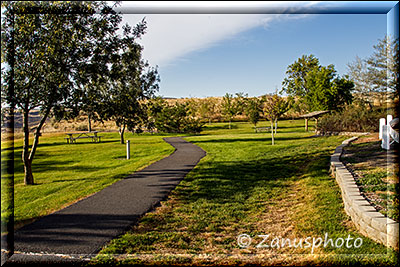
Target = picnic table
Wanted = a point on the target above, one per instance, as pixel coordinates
(79, 135)
(261, 129)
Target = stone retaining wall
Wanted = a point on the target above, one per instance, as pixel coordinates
(329, 133)
(368, 221)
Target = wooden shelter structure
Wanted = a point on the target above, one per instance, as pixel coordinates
(314, 114)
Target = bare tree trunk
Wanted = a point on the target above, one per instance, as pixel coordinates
(38, 133)
(121, 133)
(276, 125)
(89, 122)
(27, 157)
(272, 133)
(28, 176)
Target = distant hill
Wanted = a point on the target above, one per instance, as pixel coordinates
(34, 119)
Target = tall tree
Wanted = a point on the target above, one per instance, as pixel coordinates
(316, 87)
(132, 82)
(46, 41)
(295, 82)
(377, 74)
(383, 67)
(358, 73)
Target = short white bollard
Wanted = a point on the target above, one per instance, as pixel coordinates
(385, 137)
(128, 149)
(382, 122)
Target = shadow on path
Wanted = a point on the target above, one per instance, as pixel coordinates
(84, 227)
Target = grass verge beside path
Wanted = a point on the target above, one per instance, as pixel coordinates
(64, 173)
(246, 186)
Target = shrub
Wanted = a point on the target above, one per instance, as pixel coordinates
(354, 118)
(81, 127)
(173, 118)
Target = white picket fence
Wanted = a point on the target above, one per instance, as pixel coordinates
(386, 132)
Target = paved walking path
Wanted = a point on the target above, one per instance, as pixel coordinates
(84, 227)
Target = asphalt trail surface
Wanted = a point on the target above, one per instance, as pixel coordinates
(80, 230)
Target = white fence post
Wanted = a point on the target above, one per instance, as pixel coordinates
(388, 119)
(382, 122)
(386, 137)
(128, 149)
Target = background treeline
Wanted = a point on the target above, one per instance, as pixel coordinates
(196, 107)
(375, 94)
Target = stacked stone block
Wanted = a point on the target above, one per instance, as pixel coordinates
(368, 221)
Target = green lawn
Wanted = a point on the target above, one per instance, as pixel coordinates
(246, 186)
(243, 186)
(64, 173)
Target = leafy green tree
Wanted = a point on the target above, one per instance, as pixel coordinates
(295, 82)
(232, 106)
(44, 51)
(327, 92)
(253, 110)
(274, 106)
(204, 108)
(132, 81)
(175, 118)
(207, 108)
(316, 87)
(228, 107)
(194, 107)
(92, 75)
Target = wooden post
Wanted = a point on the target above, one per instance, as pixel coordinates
(306, 125)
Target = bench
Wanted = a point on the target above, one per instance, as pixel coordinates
(262, 129)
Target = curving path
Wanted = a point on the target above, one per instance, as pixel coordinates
(80, 230)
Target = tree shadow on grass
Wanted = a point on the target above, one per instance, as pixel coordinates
(267, 139)
(53, 144)
(40, 145)
(219, 127)
(222, 181)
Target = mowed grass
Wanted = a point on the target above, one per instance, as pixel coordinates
(246, 186)
(64, 173)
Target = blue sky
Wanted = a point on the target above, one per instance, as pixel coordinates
(202, 55)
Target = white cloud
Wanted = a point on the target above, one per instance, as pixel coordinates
(170, 37)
